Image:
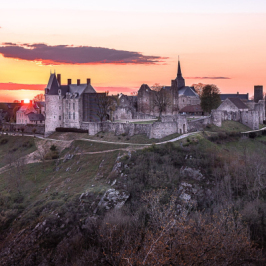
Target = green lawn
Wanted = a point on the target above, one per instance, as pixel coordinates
(228, 126)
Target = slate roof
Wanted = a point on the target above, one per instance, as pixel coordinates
(187, 91)
(237, 95)
(27, 108)
(35, 117)
(54, 86)
(238, 103)
(191, 109)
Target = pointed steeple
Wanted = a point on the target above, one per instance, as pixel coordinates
(179, 73)
(179, 79)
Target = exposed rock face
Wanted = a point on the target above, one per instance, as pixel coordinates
(113, 199)
(191, 173)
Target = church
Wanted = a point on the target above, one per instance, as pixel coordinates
(179, 97)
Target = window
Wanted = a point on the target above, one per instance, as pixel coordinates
(69, 106)
(73, 116)
(69, 116)
(59, 107)
(74, 106)
(59, 117)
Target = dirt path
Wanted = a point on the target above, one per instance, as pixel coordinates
(44, 144)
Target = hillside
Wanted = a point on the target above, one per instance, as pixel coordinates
(122, 204)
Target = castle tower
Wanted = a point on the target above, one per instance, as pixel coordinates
(179, 79)
(258, 93)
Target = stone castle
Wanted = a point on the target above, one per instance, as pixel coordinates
(74, 106)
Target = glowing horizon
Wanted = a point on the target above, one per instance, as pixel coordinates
(122, 45)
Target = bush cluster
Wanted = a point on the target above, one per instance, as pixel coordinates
(71, 129)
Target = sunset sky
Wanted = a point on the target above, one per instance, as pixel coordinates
(123, 44)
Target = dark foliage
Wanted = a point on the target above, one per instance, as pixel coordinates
(70, 129)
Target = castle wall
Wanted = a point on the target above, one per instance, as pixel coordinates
(160, 130)
(260, 108)
(199, 124)
(139, 115)
(54, 113)
(156, 130)
(27, 128)
(123, 113)
(250, 119)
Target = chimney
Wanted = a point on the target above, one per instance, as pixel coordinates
(59, 79)
(22, 101)
(237, 93)
(78, 82)
(88, 81)
(30, 102)
(69, 82)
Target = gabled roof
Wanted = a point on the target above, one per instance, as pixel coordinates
(238, 103)
(35, 117)
(27, 108)
(191, 109)
(237, 95)
(187, 91)
(144, 87)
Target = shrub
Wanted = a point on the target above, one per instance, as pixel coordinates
(27, 144)
(3, 141)
(70, 129)
(53, 148)
(252, 135)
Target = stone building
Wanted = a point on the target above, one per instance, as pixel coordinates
(29, 113)
(68, 105)
(179, 96)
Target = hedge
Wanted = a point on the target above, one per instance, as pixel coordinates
(71, 129)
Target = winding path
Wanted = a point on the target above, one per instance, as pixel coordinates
(33, 157)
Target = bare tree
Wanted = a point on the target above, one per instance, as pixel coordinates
(161, 98)
(39, 98)
(103, 102)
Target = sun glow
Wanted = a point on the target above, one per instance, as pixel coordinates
(26, 100)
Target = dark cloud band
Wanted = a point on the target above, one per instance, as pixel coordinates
(64, 54)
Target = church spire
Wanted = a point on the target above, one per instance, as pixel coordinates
(179, 79)
(179, 73)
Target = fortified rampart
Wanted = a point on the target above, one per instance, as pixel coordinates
(156, 130)
(12, 127)
(248, 118)
(199, 124)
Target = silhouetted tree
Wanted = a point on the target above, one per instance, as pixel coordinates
(103, 103)
(161, 98)
(210, 98)
(39, 98)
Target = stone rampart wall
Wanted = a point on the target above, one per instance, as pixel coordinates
(198, 124)
(27, 128)
(156, 130)
(250, 119)
(160, 130)
(139, 115)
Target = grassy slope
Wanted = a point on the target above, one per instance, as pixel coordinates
(55, 183)
(20, 145)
